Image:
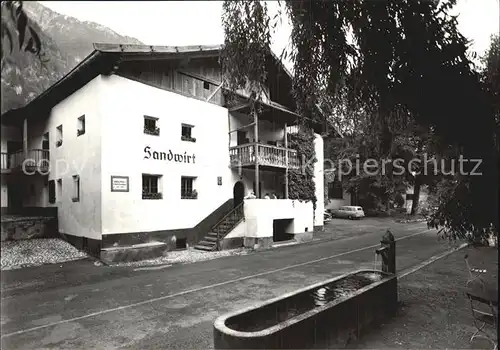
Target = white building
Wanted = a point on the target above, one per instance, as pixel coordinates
(140, 144)
(337, 196)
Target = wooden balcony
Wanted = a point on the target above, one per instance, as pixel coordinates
(267, 155)
(36, 161)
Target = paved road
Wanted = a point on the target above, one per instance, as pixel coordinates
(83, 306)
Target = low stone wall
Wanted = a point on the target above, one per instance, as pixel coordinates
(30, 211)
(258, 242)
(133, 253)
(23, 227)
(330, 326)
(232, 243)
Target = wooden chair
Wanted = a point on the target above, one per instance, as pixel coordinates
(484, 309)
(483, 304)
(474, 274)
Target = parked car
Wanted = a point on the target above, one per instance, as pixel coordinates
(349, 211)
(327, 216)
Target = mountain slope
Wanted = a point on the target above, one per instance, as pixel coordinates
(65, 42)
(74, 37)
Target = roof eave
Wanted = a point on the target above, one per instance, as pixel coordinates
(115, 51)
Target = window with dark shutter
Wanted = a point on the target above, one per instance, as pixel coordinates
(187, 133)
(151, 187)
(52, 191)
(187, 188)
(151, 126)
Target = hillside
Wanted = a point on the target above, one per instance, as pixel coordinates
(66, 41)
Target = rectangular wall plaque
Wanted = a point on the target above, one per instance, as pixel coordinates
(119, 183)
(219, 180)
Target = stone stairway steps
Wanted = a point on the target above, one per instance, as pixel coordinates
(209, 242)
(207, 245)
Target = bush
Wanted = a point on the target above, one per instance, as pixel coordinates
(399, 200)
(300, 183)
(376, 213)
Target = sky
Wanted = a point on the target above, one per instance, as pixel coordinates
(180, 23)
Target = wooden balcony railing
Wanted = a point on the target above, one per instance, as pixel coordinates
(37, 160)
(244, 155)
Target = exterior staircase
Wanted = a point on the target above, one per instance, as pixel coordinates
(213, 239)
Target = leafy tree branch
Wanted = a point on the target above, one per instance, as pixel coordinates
(389, 65)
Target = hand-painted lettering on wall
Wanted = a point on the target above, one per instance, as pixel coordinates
(169, 156)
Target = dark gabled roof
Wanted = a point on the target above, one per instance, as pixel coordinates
(100, 61)
(104, 60)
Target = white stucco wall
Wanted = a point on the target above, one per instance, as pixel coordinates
(123, 153)
(78, 155)
(260, 213)
(239, 230)
(114, 145)
(319, 181)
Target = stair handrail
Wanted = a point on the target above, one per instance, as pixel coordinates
(232, 211)
(225, 216)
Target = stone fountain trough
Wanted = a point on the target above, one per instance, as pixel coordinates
(325, 315)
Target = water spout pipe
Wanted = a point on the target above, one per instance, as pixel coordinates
(387, 251)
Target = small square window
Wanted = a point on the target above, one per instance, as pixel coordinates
(187, 188)
(206, 85)
(151, 126)
(151, 187)
(59, 139)
(76, 188)
(187, 133)
(81, 126)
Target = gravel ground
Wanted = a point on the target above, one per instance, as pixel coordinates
(187, 256)
(404, 218)
(36, 252)
(410, 221)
